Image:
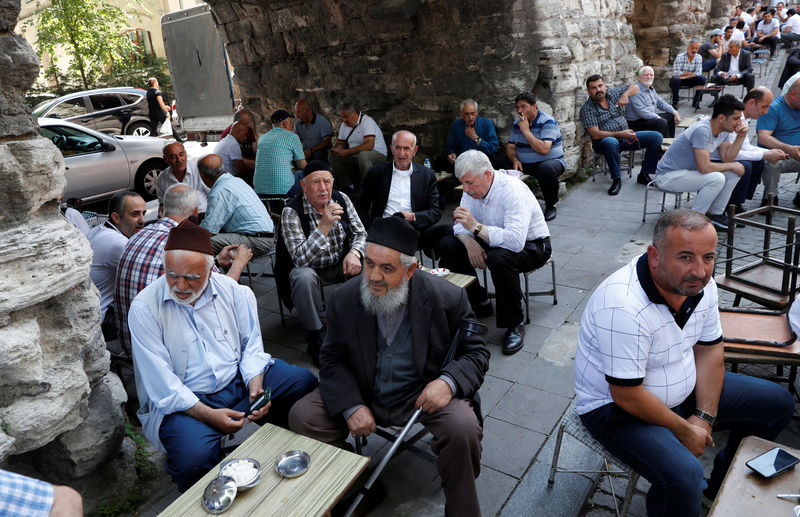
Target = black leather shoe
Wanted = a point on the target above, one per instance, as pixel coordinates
(550, 214)
(513, 340)
(613, 190)
(796, 200)
(483, 310)
(643, 179)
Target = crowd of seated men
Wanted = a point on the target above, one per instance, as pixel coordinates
(354, 212)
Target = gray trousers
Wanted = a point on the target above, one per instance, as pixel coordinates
(456, 441)
(713, 188)
(259, 245)
(307, 284)
(772, 174)
(345, 168)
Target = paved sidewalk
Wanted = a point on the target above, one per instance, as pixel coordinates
(525, 395)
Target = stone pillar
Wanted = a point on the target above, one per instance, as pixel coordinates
(56, 391)
(410, 63)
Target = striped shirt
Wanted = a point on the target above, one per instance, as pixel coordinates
(682, 64)
(612, 118)
(319, 251)
(509, 213)
(21, 495)
(544, 127)
(233, 207)
(276, 150)
(141, 264)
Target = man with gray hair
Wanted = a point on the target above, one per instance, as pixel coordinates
(650, 373)
(142, 260)
(471, 132)
(235, 215)
(359, 147)
(395, 308)
(687, 71)
(199, 359)
(500, 226)
(647, 111)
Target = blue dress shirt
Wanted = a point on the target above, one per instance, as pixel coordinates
(458, 142)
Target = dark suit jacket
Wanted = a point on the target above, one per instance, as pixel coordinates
(424, 195)
(745, 63)
(349, 353)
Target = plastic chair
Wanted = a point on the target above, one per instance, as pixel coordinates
(572, 425)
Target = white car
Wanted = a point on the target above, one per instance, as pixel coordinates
(98, 165)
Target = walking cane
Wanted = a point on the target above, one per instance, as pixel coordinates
(468, 327)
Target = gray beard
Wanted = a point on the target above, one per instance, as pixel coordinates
(386, 304)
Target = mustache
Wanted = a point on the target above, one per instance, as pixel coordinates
(379, 283)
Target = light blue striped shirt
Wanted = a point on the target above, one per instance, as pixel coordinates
(221, 337)
(544, 127)
(233, 207)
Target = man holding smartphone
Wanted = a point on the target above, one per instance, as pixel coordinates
(650, 374)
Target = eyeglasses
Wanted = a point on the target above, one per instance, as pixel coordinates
(189, 278)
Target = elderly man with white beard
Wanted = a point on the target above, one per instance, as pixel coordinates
(389, 331)
(199, 359)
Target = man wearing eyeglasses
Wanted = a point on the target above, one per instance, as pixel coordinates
(199, 359)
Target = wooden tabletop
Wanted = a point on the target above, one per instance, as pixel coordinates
(686, 122)
(330, 474)
(746, 493)
(458, 279)
(441, 176)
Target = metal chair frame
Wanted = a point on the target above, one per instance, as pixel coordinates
(677, 204)
(528, 293)
(572, 425)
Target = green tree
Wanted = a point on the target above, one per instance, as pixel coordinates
(90, 31)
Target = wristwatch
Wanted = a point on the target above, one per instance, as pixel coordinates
(477, 229)
(711, 419)
(477, 140)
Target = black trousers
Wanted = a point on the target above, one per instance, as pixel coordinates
(505, 267)
(546, 173)
(664, 124)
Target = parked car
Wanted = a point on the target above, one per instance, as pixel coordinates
(118, 111)
(97, 165)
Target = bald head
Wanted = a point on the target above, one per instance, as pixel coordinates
(210, 167)
(303, 111)
(239, 131)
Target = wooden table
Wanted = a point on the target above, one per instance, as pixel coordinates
(686, 122)
(441, 176)
(457, 279)
(744, 492)
(330, 474)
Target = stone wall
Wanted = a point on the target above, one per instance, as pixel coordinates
(61, 413)
(659, 42)
(409, 64)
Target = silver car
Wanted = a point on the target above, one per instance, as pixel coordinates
(97, 165)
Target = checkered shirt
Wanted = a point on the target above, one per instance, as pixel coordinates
(141, 264)
(630, 336)
(318, 251)
(682, 64)
(21, 495)
(234, 207)
(611, 119)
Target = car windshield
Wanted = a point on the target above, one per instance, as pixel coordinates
(71, 141)
(41, 107)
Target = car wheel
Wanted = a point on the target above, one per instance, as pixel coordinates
(146, 178)
(139, 129)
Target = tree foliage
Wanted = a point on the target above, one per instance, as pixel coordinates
(91, 32)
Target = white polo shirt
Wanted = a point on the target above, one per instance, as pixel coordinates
(630, 336)
(365, 127)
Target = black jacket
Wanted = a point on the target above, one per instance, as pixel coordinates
(424, 195)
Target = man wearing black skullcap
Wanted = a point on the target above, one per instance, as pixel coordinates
(199, 359)
(276, 150)
(388, 333)
(321, 242)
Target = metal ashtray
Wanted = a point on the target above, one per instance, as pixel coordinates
(226, 469)
(291, 464)
(219, 494)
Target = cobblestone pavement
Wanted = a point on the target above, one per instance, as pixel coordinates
(526, 395)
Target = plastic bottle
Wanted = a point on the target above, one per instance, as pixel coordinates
(428, 163)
